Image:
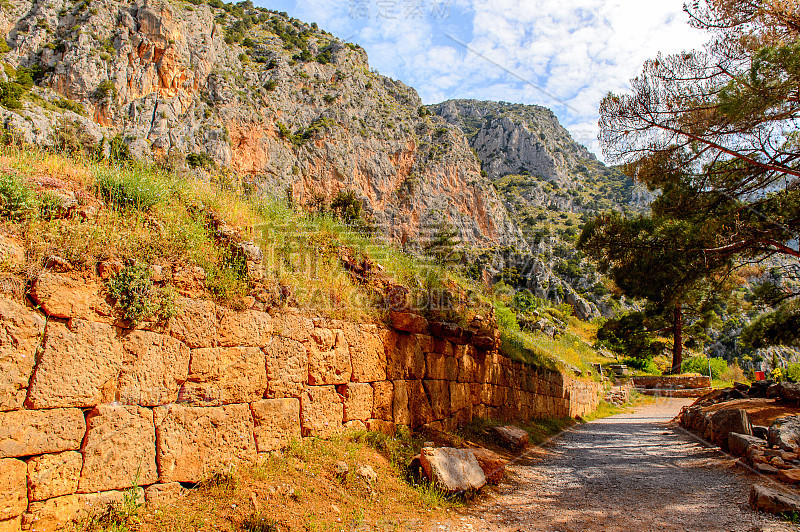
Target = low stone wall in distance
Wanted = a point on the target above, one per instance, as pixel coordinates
(673, 385)
(89, 408)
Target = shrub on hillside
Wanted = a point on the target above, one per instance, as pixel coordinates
(793, 372)
(200, 160)
(17, 198)
(506, 318)
(10, 93)
(137, 298)
(128, 190)
(642, 364)
(106, 90)
(72, 138)
(70, 105)
(346, 206)
(701, 364)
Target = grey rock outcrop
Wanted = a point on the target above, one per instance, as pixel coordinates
(729, 420)
(773, 501)
(784, 433)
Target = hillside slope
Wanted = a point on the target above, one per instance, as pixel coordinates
(293, 110)
(550, 185)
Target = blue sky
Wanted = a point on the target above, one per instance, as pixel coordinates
(563, 54)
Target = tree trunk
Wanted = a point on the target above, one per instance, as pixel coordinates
(677, 340)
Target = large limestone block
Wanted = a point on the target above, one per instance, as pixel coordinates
(31, 432)
(400, 403)
(452, 470)
(13, 488)
(162, 494)
(245, 329)
(410, 405)
(406, 359)
(771, 500)
(119, 449)
(358, 401)
(442, 346)
(196, 323)
(154, 367)
(55, 515)
(492, 464)
(459, 396)
(367, 355)
(784, 433)
(426, 343)
(21, 333)
(475, 393)
(54, 475)
(60, 296)
(435, 366)
(439, 394)
(382, 426)
(383, 397)
(79, 366)
(467, 369)
(408, 322)
(277, 423)
(225, 375)
(194, 442)
(322, 412)
(287, 367)
(738, 443)
(511, 436)
(729, 420)
(293, 326)
(328, 358)
(11, 525)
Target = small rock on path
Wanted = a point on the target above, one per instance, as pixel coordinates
(630, 472)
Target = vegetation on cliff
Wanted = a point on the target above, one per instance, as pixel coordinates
(715, 131)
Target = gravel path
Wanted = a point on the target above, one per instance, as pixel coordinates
(630, 472)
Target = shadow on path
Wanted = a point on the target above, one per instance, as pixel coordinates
(627, 472)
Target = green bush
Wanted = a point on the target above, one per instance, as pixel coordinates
(200, 160)
(642, 364)
(226, 279)
(70, 105)
(106, 90)
(128, 190)
(506, 318)
(10, 93)
(346, 206)
(17, 198)
(118, 150)
(71, 137)
(793, 372)
(700, 364)
(137, 298)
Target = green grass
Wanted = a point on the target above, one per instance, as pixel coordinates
(151, 215)
(115, 517)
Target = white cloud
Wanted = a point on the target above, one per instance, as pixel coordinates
(575, 50)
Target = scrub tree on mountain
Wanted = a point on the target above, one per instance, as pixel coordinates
(716, 131)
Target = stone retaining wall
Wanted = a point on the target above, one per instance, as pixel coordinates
(89, 408)
(672, 382)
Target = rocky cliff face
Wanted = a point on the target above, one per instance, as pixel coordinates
(517, 139)
(292, 109)
(550, 185)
